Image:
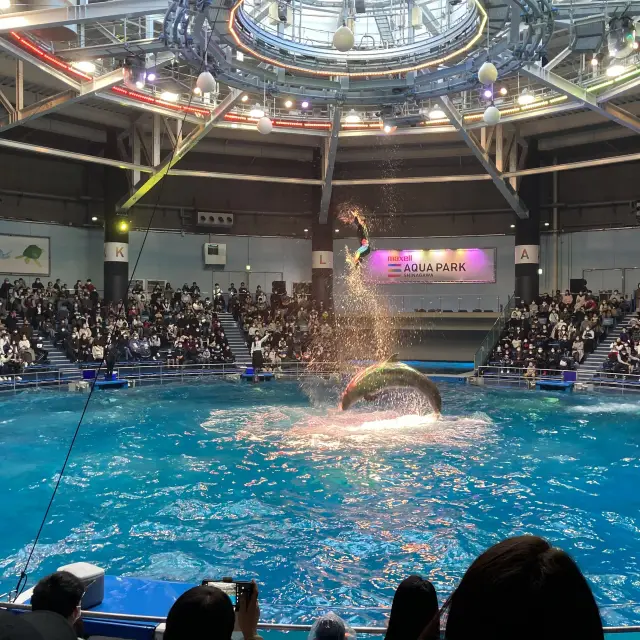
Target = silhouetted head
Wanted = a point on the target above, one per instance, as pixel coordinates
(60, 592)
(523, 588)
(201, 613)
(415, 605)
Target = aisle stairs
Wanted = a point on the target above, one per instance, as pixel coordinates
(593, 362)
(236, 339)
(58, 358)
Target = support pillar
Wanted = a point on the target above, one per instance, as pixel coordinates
(116, 241)
(321, 248)
(322, 263)
(527, 255)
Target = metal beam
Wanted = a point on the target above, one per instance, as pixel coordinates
(554, 62)
(241, 176)
(115, 50)
(499, 148)
(619, 88)
(79, 14)
(554, 81)
(161, 169)
(72, 156)
(507, 191)
(6, 103)
(21, 55)
(52, 104)
(19, 85)
(328, 164)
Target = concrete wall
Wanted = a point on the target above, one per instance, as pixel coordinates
(604, 257)
(77, 253)
(443, 296)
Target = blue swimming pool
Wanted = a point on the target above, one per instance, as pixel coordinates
(323, 509)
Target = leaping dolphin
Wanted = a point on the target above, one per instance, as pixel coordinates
(389, 374)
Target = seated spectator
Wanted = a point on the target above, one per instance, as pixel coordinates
(567, 298)
(415, 606)
(60, 592)
(578, 349)
(331, 627)
(37, 625)
(206, 613)
(524, 589)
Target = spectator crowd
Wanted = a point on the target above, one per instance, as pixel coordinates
(557, 332)
(179, 322)
(521, 588)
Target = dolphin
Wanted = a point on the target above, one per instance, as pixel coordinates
(389, 374)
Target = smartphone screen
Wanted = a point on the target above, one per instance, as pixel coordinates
(227, 587)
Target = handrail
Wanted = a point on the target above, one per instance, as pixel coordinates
(485, 348)
(269, 626)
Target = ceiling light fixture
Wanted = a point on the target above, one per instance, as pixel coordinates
(169, 96)
(304, 104)
(353, 117)
(288, 104)
(84, 65)
(526, 97)
(257, 111)
(503, 91)
(151, 77)
(437, 114)
(244, 98)
(615, 70)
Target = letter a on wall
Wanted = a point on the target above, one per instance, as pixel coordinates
(527, 254)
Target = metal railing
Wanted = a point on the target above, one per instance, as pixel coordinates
(157, 373)
(444, 303)
(484, 350)
(87, 614)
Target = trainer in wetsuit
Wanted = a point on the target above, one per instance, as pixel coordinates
(364, 249)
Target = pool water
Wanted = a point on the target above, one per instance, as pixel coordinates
(324, 509)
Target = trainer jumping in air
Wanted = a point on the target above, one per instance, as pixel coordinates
(364, 249)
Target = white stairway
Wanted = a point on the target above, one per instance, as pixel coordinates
(236, 339)
(593, 362)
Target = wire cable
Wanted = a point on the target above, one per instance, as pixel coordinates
(23, 577)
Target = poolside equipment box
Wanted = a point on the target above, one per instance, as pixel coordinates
(93, 579)
(554, 385)
(262, 376)
(110, 377)
(89, 374)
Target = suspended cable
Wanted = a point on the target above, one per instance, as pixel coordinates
(22, 579)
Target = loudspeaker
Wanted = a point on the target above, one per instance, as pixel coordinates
(279, 287)
(576, 285)
(360, 8)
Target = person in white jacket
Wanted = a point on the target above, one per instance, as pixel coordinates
(256, 352)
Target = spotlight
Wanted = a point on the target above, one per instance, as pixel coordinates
(615, 70)
(123, 226)
(488, 94)
(306, 230)
(352, 117)
(248, 267)
(197, 91)
(304, 104)
(513, 226)
(546, 224)
(94, 218)
(135, 75)
(337, 230)
(244, 98)
(86, 66)
(169, 96)
(151, 77)
(437, 114)
(539, 272)
(288, 104)
(256, 112)
(503, 91)
(234, 125)
(621, 37)
(526, 97)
